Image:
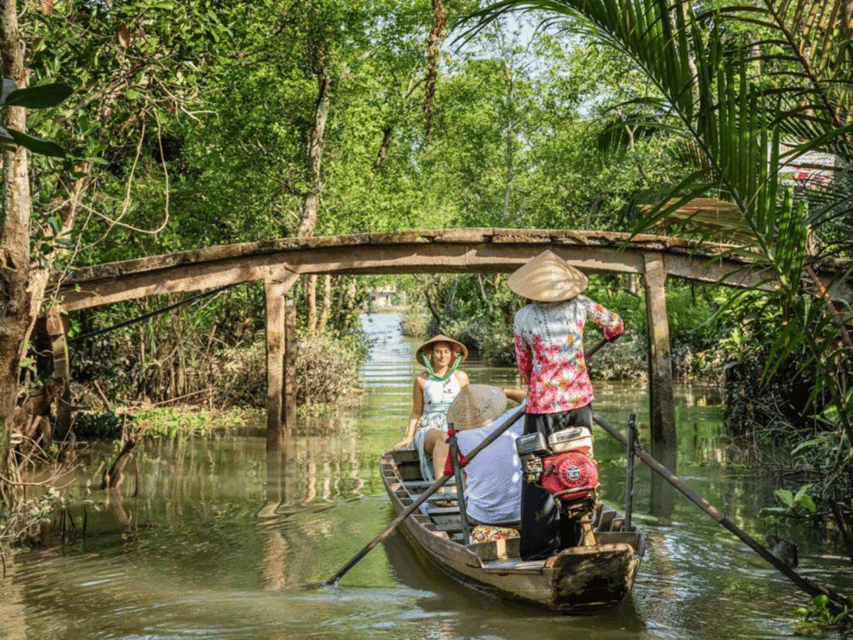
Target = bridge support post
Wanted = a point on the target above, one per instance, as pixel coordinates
(61, 369)
(276, 338)
(661, 403)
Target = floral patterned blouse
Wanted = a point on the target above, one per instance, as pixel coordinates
(549, 351)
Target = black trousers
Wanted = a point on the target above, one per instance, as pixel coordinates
(543, 533)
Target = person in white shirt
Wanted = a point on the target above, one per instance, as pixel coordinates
(493, 476)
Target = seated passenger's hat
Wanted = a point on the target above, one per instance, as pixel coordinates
(476, 405)
(455, 345)
(547, 278)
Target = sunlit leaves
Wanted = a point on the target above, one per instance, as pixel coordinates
(42, 146)
(742, 81)
(801, 500)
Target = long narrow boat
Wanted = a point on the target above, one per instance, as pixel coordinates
(576, 580)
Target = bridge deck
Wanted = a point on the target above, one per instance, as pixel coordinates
(426, 251)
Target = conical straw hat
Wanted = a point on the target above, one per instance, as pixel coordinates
(457, 347)
(547, 278)
(476, 405)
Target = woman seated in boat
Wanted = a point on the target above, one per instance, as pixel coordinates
(432, 393)
(493, 476)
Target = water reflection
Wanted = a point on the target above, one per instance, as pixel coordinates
(661, 493)
(214, 538)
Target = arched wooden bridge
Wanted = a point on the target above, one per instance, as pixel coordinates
(279, 264)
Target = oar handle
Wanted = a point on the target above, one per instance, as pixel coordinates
(588, 353)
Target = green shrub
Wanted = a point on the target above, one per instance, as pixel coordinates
(327, 368)
(415, 324)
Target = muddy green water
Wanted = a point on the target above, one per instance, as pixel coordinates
(210, 538)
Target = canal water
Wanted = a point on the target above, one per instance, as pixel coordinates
(210, 538)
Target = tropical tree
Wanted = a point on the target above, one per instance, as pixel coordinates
(519, 120)
(24, 280)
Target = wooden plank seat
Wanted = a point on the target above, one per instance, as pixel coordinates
(417, 484)
(497, 549)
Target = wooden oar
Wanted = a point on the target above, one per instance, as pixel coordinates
(805, 584)
(435, 486)
(591, 351)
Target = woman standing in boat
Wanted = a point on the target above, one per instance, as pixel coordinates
(432, 393)
(549, 351)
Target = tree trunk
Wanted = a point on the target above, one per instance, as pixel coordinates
(485, 298)
(347, 291)
(387, 137)
(312, 302)
(326, 307)
(433, 309)
(436, 34)
(509, 150)
(314, 154)
(20, 290)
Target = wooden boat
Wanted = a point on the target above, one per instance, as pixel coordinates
(576, 580)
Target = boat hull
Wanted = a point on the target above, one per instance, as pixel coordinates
(576, 580)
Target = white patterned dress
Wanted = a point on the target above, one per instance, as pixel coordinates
(438, 395)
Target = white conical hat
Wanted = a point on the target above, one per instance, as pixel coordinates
(547, 278)
(476, 405)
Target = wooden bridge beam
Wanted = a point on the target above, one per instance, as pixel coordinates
(443, 251)
(280, 262)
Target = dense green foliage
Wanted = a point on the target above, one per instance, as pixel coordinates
(201, 123)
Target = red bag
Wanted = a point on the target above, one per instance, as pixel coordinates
(448, 461)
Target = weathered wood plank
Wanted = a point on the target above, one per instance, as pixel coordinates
(661, 395)
(426, 251)
(61, 369)
(275, 307)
